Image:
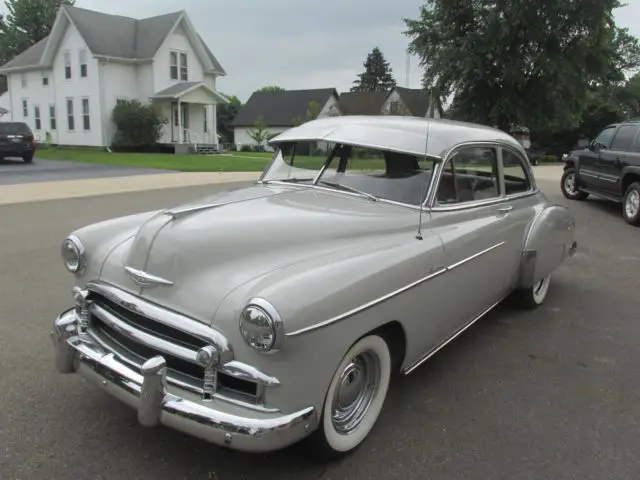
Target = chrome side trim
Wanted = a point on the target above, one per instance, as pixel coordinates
(166, 317)
(438, 271)
(145, 279)
(432, 352)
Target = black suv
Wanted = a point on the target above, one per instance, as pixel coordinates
(17, 140)
(609, 167)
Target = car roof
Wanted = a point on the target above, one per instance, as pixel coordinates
(412, 135)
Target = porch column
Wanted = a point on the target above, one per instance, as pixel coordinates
(214, 123)
(180, 132)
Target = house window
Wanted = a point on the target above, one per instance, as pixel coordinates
(393, 108)
(67, 65)
(23, 80)
(86, 117)
(83, 63)
(25, 109)
(45, 80)
(120, 100)
(184, 76)
(206, 117)
(36, 114)
(173, 62)
(71, 125)
(52, 117)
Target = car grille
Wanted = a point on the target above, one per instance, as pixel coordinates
(180, 371)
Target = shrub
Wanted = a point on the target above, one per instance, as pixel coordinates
(245, 148)
(137, 124)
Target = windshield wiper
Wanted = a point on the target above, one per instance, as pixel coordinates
(350, 189)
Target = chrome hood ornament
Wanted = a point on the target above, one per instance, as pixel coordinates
(145, 279)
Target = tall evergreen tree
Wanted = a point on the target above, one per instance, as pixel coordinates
(377, 75)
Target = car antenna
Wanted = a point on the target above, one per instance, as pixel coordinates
(426, 145)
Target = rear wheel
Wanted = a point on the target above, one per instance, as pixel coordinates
(27, 157)
(354, 399)
(631, 204)
(569, 187)
(531, 297)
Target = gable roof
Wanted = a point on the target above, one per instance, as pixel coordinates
(416, 100)
(114, 36)
(362, 103)
(279, 109)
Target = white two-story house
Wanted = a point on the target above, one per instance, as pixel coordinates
(67, 85)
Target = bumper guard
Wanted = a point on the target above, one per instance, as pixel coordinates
(147, 393)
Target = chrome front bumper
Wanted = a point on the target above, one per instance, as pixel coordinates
(147, 393)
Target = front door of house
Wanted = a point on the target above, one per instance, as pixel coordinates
(177, 121)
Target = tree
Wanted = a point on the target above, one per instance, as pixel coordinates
(271, 88)
(259, 133)
(521, 62)
(377, 75)
(137, 124)
(313, 110)
(27, 22)
(225, 113)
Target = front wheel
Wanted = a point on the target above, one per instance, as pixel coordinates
(569, 187)
(531, 297)
(631, 204)
(354, 399)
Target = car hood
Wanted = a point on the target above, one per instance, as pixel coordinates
(231, 238)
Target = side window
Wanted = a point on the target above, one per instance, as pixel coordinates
(604, 138)
(623, 141)
(516, 178)
(471, 175)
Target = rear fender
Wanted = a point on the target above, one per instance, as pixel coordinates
(549, 241)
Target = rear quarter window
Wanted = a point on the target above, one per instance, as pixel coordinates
(14, 128)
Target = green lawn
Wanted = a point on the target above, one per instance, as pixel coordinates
(232, 162)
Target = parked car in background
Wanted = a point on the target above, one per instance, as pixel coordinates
(277, 313)
(609, 168)
(17, 140)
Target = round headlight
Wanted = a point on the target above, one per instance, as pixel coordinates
(73, 254)
(261, 326)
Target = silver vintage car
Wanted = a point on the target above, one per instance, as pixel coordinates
(265, 315)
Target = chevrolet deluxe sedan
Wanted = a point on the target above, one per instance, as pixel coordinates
(276, 313)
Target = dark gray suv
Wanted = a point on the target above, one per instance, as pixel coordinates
(609, 167)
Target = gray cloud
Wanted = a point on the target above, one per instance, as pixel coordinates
(300, 43)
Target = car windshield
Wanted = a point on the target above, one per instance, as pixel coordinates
(14, 128)
(373, 174)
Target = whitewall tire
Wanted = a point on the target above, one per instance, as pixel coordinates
(532, 297)
(354, 399)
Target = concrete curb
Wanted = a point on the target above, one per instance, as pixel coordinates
(39, 191)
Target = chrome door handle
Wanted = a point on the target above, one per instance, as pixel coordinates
(505, 209)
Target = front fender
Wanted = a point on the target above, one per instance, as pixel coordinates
(549, 241)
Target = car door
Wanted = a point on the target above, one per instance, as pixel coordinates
(611, 162)
(470, 215)
(589, 159)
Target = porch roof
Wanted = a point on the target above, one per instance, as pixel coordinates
(180, 90)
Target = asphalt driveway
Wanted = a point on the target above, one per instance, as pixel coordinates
(13, 171)
(545, 394)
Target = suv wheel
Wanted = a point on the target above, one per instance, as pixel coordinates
(568, 185)
(28, 157)
(631, 204)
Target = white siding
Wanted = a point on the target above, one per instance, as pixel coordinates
(145, 81)
(176, 41)
(241, 134)
(77, 88)
(36, 94)
(119, 80)
(330, 109)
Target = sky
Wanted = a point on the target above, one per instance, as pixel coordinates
(299, 44)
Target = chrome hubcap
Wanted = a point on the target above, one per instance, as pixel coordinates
(632, 204)
(570, 183)
(356, 389)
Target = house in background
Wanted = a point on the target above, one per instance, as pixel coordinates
(281, 111)
(412, 102)
(68, 83)
(362, 103)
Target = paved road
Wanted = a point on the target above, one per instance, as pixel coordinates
(14, 171)
(548, 394)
